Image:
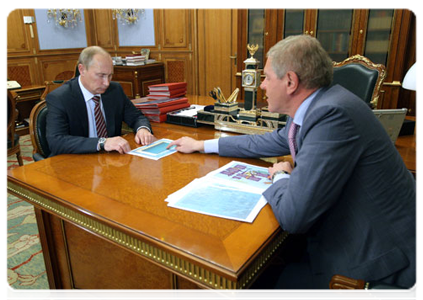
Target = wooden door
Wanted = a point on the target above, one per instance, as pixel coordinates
(217, 50)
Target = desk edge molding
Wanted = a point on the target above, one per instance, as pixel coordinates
(171, 262)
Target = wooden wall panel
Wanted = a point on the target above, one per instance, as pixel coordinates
(105, 29)
(18, 34)
(58, 67)
(23, 70)
(175, 28)
(178, 68)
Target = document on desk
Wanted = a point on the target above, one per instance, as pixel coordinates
(233, 191)
(155, 150)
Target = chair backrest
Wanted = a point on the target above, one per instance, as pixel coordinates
(37, 130)
(76, 73)
(51, 86)
(11, 117)
(360, 76)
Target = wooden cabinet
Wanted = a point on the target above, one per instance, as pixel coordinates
(136, 79)
(382, 35)
(28, 96)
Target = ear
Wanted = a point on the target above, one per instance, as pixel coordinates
(81, 68)
(293, 82)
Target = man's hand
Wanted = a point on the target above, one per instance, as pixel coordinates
(118, 144)
(187, 145)
(144, 137)
(280, 166)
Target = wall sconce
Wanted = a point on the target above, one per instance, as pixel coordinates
(409, 81)
(127, 16)
(64, 17)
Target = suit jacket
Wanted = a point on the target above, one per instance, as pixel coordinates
(67, 118)
(350, 192)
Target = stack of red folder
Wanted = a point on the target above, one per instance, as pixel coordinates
(167, 90)
(156, 110)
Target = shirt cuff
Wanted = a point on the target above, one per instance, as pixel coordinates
(280, 176)
(211, 146)
(145, 127)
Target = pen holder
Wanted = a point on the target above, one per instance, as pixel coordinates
(226, 108)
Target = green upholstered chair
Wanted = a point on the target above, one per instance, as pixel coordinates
(37, 131)
(13, 146)
(360, 76)
(352, 289)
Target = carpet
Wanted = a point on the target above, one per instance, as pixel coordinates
(25, 262)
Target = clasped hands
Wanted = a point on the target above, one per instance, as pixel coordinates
(119, 144)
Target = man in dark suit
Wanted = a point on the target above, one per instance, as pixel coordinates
(85, 115)
(348, 192)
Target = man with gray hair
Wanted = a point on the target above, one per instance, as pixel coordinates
(348, 191)
(85, 114)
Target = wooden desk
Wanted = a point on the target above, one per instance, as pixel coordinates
(104, 223)
(407, 147)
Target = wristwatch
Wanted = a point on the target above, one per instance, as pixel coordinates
(279, 172)
(101, 142)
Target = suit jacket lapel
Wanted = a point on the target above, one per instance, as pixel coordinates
(79, 108)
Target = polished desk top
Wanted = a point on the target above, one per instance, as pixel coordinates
(128, 193)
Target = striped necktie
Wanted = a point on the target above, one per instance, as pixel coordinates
(99, 119)
(292, 133)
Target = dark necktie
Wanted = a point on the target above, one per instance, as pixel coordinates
(292, 133)
(99, 119)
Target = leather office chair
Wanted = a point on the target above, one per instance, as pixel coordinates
(76, 73)
(13, 146)
(360, 76)
(352, 289)
(37, 131)
(37, 122)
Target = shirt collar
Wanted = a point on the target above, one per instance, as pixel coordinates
(301, 111)
(87, 94)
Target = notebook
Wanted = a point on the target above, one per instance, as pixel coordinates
(392, 120)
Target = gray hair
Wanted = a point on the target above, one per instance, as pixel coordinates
(305, 56)
(86, 56)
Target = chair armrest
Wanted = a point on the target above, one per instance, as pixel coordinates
(343, 282)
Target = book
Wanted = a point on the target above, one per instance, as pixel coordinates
(168, 93)
(135, 60)
(160, 102)
(158, 97)
(157, 118)
(167, 86)
(164, 109)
